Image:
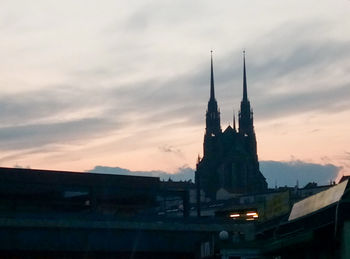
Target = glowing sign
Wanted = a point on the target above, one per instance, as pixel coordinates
(251, 215)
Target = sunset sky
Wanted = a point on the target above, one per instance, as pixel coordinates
(126, 83)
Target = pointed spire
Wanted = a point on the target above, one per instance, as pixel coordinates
(212, 92)
(245, 92)
(245, 113)
(213, 112)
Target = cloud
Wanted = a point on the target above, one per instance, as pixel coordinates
(182, 174)
(275, 172)
(54, 103)
(328, 101)
(288, 173)
(293, 80)
(184, 94)
(36, 135)
(170, 149)
(306, 76)
(13, 156)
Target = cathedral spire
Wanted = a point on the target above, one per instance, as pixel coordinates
(245, 113)
(245, 91)
(213, 127)
(212, 92)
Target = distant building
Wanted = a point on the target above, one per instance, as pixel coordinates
(58, 192)
(230, 159)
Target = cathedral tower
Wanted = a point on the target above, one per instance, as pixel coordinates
(230, 159)
(212, 117)
(246, 126)
(245, 114)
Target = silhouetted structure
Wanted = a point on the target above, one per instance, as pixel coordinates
(52, 192)
(230, 159)
(57, 214)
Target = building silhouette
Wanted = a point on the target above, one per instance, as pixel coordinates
(230, 159)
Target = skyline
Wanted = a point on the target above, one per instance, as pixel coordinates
(118, 85)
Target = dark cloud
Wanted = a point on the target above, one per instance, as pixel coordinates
(312, 60)
(27, 106)
(324, 100)
(272, 63)
(297, 59)
(185, 95)
(182, 173)
(288, 173)
(171, 150)
(280, 173)
(34, 135)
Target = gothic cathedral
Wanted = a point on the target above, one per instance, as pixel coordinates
(230, 159)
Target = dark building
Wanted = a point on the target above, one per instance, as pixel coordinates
(230, 159)
(47, 192)
(57, 214)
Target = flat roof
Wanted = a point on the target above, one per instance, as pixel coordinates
(23, 175)
(318, 201)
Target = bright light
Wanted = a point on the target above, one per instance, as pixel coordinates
(249, 219)
(236, 215)
(252, 214)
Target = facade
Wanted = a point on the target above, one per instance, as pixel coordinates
(58, 193)
(47, 192)
(230, 159)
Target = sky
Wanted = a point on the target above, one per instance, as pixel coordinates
(126, 83)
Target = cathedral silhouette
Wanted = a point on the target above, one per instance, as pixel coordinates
(230, 159)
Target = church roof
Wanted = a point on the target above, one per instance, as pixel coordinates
(229, 129)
